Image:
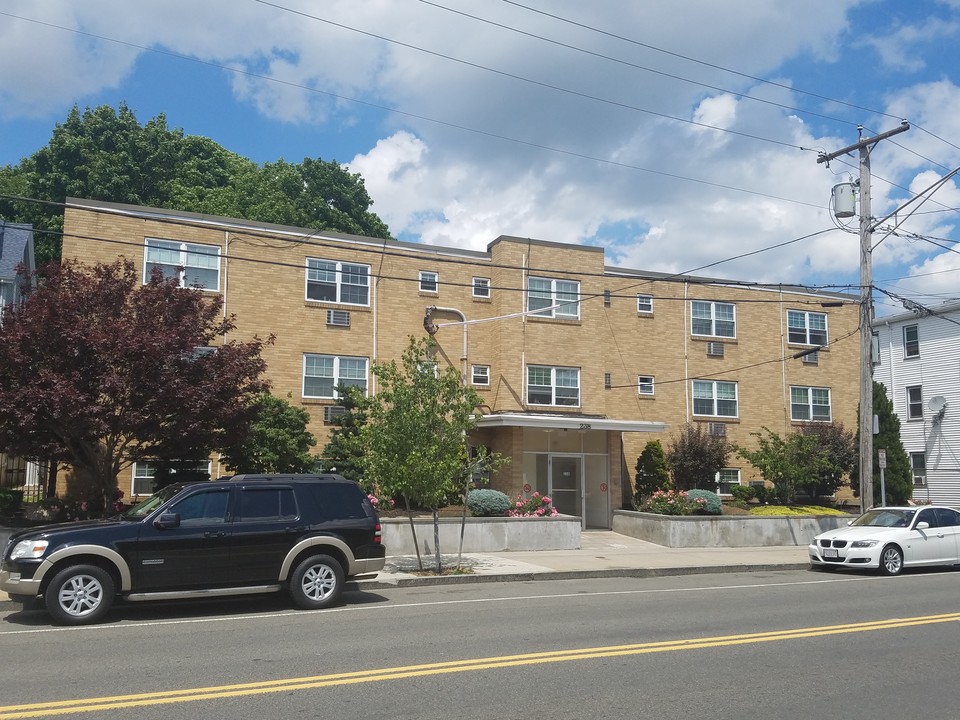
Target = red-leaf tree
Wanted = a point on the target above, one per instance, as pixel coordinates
(99, 370)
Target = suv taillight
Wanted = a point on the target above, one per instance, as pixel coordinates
(377, 534)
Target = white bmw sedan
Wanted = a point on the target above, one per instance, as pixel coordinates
(890, 539)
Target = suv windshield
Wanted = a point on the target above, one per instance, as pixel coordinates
(885, 518)
(145, 507)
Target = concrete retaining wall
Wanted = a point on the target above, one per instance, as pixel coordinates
(498, 534)
(724, 531)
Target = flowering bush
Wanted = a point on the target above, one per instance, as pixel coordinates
(536, 505)
(380, 503)
(672, 502)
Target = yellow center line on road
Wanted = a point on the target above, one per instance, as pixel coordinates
(82, 705)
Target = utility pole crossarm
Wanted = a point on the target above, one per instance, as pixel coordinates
(827, 157)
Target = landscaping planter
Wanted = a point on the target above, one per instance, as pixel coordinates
(725, 531)
(495, 534)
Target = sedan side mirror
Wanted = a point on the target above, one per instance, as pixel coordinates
(922, 525)
(167, 520)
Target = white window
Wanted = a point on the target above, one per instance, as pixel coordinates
(714, 398)
(918, 464)
(810, 403)
(429, 281)
(323, 373)
(481, 287)
(915, 402)
(645, 384)
(553, 385)
(145, 471)
(713, 319)
(195, 265)
(480, 375)
(337, 282)
(645, 304)
(553, 298)
(911, 341)
(806, 328)
(726, 479)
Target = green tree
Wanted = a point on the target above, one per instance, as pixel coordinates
(695, 456)
(99, 370)
(415, 437)
(106, 154)
(838, 447)
(343, 453)
(652, 472)
(278, 442)
(898, 475)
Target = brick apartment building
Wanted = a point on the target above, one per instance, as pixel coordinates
(579, 364)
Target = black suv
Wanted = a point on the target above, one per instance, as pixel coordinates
(242, 535)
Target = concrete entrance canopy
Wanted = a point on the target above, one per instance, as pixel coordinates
(567, 422)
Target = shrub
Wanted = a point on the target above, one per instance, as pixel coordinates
(743, 493)
(671, 502)
(488, 503)
(764, 494)
(711, 504)
(536, 505)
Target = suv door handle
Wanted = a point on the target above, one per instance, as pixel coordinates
(211, 534)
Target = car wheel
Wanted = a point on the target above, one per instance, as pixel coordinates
(891, 560)
(316, 582)
(79, 594)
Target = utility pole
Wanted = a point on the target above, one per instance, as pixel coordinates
(866, 306)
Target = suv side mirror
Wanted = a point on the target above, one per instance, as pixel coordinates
(167, 520)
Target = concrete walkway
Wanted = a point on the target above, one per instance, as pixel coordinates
(601, 554)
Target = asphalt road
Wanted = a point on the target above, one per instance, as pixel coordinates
(788, 644)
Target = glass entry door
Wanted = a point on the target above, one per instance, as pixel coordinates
(566, 484)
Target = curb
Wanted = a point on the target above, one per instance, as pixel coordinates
(6, 604)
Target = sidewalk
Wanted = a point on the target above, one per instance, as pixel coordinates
(602, 553)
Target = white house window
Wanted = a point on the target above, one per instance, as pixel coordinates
(915, 402)
(195, 265)
(553, 385)
(806, 328)
(145, 471)
(713, 319)
(480, 375)
(726, 479)
(429, 281)
(810, 403)
(323, 373)
(545, 293)
(645, 384)
(911, 341)
(918, 464)
(337, 282)
(481, 287)
(714, 398)
(645, 304)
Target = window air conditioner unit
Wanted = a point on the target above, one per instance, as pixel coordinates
(331, 412)
(717, 429)
(715, 349)
(919, 482)
(812, 359)
(338, 318)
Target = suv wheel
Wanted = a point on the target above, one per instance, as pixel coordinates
(79, 594)
(316, 582)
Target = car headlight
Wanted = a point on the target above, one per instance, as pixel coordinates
(863, 543)
(29, 549)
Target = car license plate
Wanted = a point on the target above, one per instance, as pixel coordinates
(830, 553)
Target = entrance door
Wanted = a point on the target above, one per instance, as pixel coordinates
(566, 484)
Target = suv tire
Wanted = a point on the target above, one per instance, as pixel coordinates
(317, 582)
(79, 594)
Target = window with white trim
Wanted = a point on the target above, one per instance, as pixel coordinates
(806, 328)
(145, 472)
(547, 297)
(193, 264)
(645, 304)
(429, 281)
(338, 282)
(810, 404)
(323, 373)
(918, 465)
(714, 398)
(645, 384)
(480, 375)
(553, 385)
(713, 319)
(726, 479)
(481, 287)
(911, 341)
(915, 402)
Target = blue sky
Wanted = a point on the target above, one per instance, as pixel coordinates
(678, 135)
